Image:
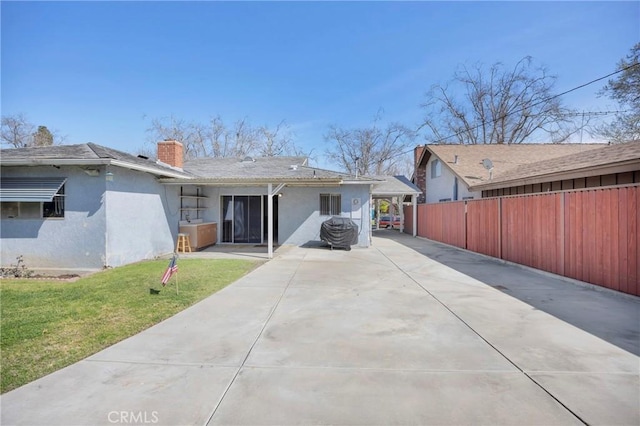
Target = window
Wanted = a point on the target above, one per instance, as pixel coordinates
(330, 204)
(34, 210)
(436, 168)
(55, 207)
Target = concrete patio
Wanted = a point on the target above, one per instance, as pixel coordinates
(405, 332)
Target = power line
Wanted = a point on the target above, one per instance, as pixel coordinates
(550, 98)
(590, 113)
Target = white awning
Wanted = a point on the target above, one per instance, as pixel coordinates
(29, 189)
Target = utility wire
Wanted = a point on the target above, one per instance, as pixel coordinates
(535, 104)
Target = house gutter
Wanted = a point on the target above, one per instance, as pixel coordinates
(96, 162)
(250, 182)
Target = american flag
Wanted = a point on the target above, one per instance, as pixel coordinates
(171, 269)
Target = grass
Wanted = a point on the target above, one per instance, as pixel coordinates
(46, 325)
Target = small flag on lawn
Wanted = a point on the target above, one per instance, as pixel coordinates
(171, 269)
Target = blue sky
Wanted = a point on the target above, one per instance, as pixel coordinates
(100, 71)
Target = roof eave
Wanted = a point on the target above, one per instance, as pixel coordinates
(622, 167)
(89, 162)
(151, 170)
(249, 182)
(54, 162)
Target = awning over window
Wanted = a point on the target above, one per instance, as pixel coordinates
(29, 189)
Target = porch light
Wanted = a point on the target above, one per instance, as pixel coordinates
(109, 177)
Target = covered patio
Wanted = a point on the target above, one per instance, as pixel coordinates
(399, 187)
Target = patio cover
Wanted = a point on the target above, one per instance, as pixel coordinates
(397, 186)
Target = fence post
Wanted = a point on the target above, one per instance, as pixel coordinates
(499, 227)
(465, 225)
(562, 227)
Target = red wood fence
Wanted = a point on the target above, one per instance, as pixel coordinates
(590, 235)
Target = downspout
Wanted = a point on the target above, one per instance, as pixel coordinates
(108, 179)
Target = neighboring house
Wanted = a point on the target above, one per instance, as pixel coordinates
(617, 164)
(88, 207)
(459, 172)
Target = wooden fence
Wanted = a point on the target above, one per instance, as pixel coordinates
(590, 235)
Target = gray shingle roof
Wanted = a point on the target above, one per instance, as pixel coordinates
(505, 158)
(262, 169)
(607, 155)
(393, 185)
(88, 153)
(205, 170)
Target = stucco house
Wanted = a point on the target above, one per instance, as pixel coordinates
(458, 172)
(87, 206)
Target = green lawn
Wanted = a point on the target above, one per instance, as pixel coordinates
(48, 324)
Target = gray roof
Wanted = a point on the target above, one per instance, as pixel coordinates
(261, 170)
(393, 185)
(83, 154)
(587, 163)
(293, 170)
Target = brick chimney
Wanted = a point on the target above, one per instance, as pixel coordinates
(417, 153)
(420, 173)
(171, 152)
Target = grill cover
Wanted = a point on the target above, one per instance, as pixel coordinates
(339, 232)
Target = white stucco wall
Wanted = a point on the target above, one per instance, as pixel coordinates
(442, 186)
(142, 217)
(76, 241)
(299, 219)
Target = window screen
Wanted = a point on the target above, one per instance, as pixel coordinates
(330, 204)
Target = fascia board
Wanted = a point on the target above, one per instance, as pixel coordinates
(150, 170)
(55, 162)
(90, 162)
(246, 182)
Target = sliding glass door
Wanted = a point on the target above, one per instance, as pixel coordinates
(242, 219)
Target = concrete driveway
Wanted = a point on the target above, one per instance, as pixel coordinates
(405, 332)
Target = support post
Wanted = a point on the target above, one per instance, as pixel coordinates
(401, 205)
(270, 220)
(414, 199)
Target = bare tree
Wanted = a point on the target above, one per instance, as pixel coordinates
(216, 139)
(370, 150)
(173, 128)
(16, 131)
(625, 89)
(499, 106)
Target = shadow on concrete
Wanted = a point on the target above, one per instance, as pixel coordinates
(614, 317)
(315, 244)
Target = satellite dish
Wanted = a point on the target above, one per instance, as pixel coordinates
(487, 164)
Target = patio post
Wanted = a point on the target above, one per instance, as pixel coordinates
(414, 199)
(270, 220)
(401, 206)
